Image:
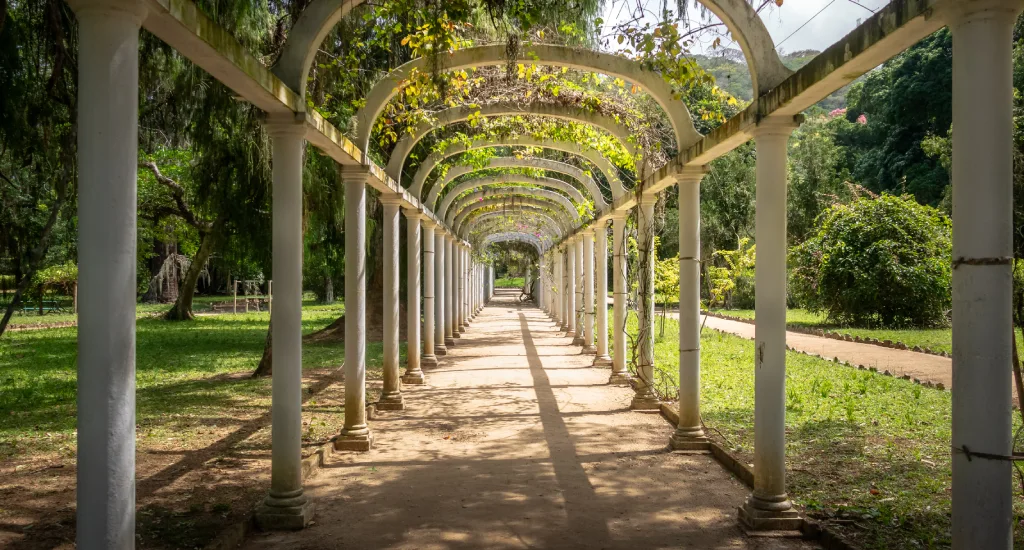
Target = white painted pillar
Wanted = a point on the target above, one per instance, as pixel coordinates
(689, 434)
(588, 291)
(440, 293)
(429, 308)
(578, 311)
(539, 298)
(413, 242)
(601, 300)
(982, 263)
(391, 395)
(459, 325)
(449, 287)
(645, 397)
(465, 286)
(570, 291)
(355, 436)
(108, 91)
(620, 375)
(769, 506)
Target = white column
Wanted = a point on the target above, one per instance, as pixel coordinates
(619, 291)
(588, 292)
(601, 284)
(440, 293)
(355, 436)
(645, 398)
(556, 296)
(769, 506)
(413, 242)
(578, 302)
(108, 113)
(458, 326)
(982, 279)
(689, 434)
(541, 290)
(391, 395)
(570, 291)
(464, 264)
(429, 309)
(449, 287)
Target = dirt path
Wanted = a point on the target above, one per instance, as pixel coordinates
(516, 442)
(922, 366)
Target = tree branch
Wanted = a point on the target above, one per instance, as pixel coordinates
(178, 193)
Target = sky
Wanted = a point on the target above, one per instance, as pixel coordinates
(784, 23)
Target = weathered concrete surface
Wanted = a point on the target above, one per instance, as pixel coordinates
(513, 162)
(516, 442)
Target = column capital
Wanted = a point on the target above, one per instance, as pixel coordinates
(781, 126)
(599, 224)
(618, 215)
(691, 174)
(355, 173)
(135, 9)
(957, 11)
(647, 199)
(285, 125)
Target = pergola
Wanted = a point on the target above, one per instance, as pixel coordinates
(454, 286)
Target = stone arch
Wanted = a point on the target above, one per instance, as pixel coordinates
(602, 163)
(320, 16)
(511, 162)
(541, 220)
(486, 195)
(541, 54)
(516, 237)
(560, 185)
(538, 204)
(459, 114)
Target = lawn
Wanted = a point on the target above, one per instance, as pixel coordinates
(202, 423)
(936, 339)
(867, 454)
(509, 282)
(31, 316)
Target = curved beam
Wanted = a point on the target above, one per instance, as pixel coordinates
(541, 221)
(541, 54)
(512, 162)
(474, 183)
(765, 66)
(525, 201)
(304, 39)
(514, 237)
(603, 164)
(485, 195)
(459, 114)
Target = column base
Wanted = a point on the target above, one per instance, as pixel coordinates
(619, 379)
(354, 442)
(284, 513)
(769, 515)
(563, 328)
(456, 334)
(645, 403)
(440, 350)
(588, 350)
(602, 361)
(449, 342)
(391, 402)
(428, 361)
(414, 378)
(688, 439)
(578, 340)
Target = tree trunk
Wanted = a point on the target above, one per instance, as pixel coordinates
(182, 309)
(266, 366)
(329, 290)
(1016, 372)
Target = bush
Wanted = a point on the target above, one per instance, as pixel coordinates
(877, 262)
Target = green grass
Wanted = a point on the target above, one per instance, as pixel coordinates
(509, 282)
(866, 453)
(180, 368)
(935, 339)
(24, 317)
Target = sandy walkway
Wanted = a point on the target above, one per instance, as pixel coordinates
(923, 366)
(516, 442)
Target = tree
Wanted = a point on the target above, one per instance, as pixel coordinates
(816, 179)
(881, 261)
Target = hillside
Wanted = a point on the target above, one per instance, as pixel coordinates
(729, 68)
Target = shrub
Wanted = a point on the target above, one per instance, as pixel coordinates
(877, 262)
(732, 285)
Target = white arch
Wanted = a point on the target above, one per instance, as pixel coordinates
(458, 114)
(511, 162)
(541, 54)
(514, 237)
(320, 16)
(525, 201)
(574, 195)
(603, 164)
(530, 214)
(484, 195)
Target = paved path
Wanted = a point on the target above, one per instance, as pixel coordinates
(516, 442)
(923, 366)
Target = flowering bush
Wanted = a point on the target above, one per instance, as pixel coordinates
(877, 262)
